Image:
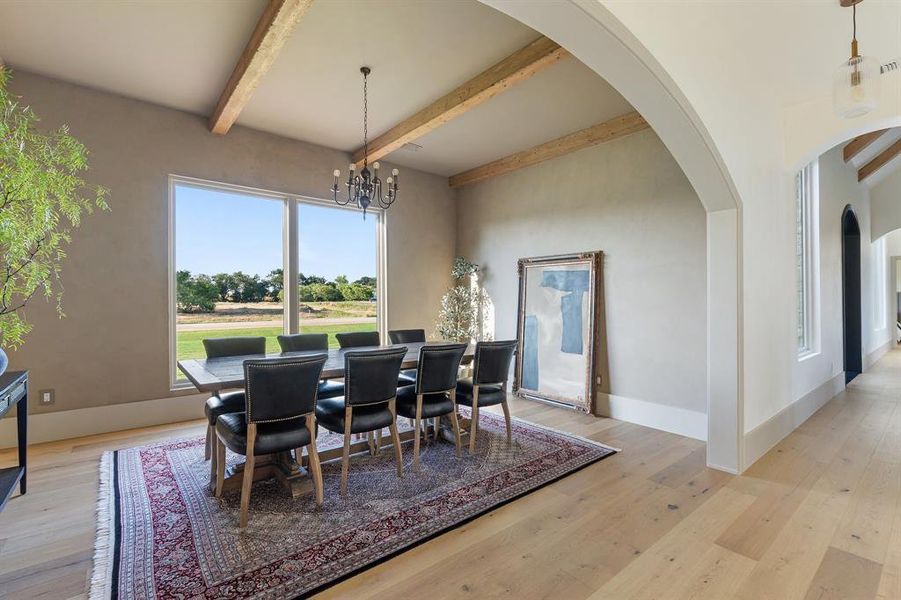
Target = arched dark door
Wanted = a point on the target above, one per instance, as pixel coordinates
(851, 319)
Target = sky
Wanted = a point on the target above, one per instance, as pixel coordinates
(224, 232)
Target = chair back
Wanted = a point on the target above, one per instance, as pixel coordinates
(406, 336)
(303, 342)
(234, 346)
(370, 376)
(358, 339)
(492, 362)
(438, 367)
(278, 389)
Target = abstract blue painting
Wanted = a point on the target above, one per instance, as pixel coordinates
(556, 322)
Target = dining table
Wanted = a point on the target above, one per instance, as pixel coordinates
(215, 375)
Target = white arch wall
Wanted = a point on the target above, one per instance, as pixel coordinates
(595, 37)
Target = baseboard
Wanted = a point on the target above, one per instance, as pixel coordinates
(759, 440)
(681, 421)
(873, 357)
(54, 426)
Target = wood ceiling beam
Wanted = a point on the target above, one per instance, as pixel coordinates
(516, 68)
(596, 134)
(272, 31)
(861, 143)
(880, 160)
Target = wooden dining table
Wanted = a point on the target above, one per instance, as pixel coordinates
(214, 375)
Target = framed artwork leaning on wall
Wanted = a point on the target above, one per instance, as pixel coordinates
(560, 329)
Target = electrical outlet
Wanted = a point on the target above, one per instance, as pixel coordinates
(46, 397)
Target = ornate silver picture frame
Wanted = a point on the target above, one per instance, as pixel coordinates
(559, 329)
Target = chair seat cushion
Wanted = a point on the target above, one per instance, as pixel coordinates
(330, 414)
(277, 436)
(330, 389)
(489, 395)
(406, 378)
(433, 405)
(229, 402)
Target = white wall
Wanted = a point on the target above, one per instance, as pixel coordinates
(631, 200)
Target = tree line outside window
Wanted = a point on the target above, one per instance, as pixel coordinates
(199, 293)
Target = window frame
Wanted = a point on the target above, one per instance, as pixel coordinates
(290, 257)
(807, 235)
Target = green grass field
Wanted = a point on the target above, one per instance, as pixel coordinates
(189, 344)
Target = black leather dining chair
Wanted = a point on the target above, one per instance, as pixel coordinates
(358, 339)
(370, 378)
(434, 394)
(280, 417)
(488, 385)
(367, 339)
(312, 342)
(221, 403)
(406, 336)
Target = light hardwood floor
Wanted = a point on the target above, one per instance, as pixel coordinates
(817, 517)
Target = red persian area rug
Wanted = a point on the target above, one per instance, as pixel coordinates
(161, 534)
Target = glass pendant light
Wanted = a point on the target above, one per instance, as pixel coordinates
(855, 88)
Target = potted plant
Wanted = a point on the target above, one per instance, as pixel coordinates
(464, 306)
(42, 199)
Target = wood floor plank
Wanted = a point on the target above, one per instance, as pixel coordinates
(844, 576)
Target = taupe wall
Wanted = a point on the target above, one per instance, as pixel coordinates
(630, 199)
(113, 346)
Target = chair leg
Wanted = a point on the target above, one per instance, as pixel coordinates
(395, 439)
(474, 422)
(212, 440)
(208, 451)
(416, 425)
(507, 419)
(314, 466)
(248, 473)
(455, 422)
(370, 439)
(220, 464)
(345, 456)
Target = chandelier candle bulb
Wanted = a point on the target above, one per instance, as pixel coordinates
(337, 173)
(395, 172)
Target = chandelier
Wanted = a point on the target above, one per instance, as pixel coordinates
(365, 187)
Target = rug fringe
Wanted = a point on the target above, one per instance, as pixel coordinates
(101, 578)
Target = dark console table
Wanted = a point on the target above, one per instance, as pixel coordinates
(14, 392)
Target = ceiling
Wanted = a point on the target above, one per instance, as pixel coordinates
(180, 54)
(873, 150)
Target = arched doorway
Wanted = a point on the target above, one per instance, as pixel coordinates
(593, 34)
(851, 319)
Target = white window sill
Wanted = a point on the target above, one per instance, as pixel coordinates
(807, 355)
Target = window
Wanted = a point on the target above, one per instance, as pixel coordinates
(236, 252)
(879, 266)
(806, 241)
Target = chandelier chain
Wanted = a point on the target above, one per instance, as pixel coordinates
(365, 121)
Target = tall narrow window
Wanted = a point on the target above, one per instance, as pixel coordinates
(228, 264)
(879, 267)
(337, 283)
(806, 233)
